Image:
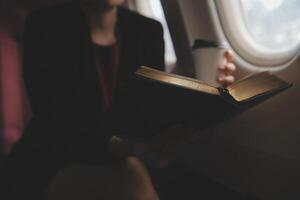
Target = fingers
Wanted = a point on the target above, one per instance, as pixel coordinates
(226, 72)
(162, 138)
(226, 80)
(227, 69)
(120, 147)
(165, 150)
(117, 146)
(229, 55)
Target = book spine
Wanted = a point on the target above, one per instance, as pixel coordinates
(223, 91)
(225, 94)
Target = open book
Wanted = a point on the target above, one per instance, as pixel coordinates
(155, 100)
(254, 86)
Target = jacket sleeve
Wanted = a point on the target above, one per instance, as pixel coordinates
(43, 134)
(34, 70)
(154, 46)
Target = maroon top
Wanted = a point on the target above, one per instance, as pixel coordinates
(107, 64)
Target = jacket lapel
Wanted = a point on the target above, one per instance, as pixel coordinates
(86, 84)
(129, 40)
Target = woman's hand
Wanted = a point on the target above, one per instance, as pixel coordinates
(160, 150)
(226, 70)
(134, 173)
(121, 147)
(152, 153)
(165, 147)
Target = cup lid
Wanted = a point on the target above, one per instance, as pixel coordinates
(200, 43)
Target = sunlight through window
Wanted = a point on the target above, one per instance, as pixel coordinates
(273, 23)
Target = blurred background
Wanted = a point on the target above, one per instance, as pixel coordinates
(259, 151)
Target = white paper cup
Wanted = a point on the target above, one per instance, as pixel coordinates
(208, 55)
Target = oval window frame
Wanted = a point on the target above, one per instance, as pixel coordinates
(248, 53)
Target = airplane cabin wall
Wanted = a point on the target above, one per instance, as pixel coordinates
(257, 152)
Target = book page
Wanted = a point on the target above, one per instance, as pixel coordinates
(176, 80)
(254, 85)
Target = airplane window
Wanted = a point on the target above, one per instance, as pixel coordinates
(273, 23)
(154, 9)
(263, 33)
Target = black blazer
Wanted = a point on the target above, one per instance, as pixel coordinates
(60, 77)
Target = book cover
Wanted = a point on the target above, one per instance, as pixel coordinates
(154, 100)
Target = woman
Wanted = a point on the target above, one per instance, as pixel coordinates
(76, 57)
